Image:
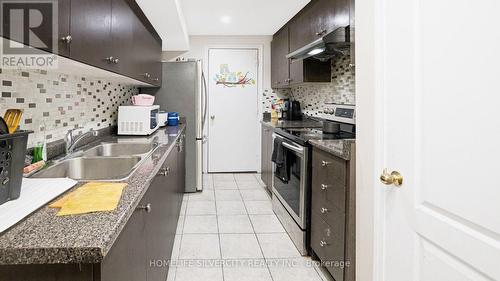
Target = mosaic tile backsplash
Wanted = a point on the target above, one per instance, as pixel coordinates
(54, 103)
(313, 96)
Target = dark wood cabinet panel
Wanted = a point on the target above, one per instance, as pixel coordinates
(333, 213)
(154, 50)
(48, 272)
(148, 55)
(114, 35)
(263, 155)
(127, 260)
(329, 174)
(122, 37)
(301, 32)
(266, 154)
(316, 20)
(48, 39)
(328, 245)
(64, 21)
(280, 65)
(91, 33)
(160, 221)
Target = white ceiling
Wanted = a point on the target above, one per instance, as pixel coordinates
(250, 17)
(166, 16)
(175, 20)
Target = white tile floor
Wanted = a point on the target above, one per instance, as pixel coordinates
(230, 233)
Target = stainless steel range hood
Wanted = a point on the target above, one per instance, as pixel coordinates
(329, 46)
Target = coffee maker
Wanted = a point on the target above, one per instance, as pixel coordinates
(294, 111)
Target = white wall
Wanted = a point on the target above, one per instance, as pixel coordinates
(199, 46)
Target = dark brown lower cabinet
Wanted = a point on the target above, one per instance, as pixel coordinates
(126, 260)
(266, 153)
(333, 214)
(142, 250)
(160, 222)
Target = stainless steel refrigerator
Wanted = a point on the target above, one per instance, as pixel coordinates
(184, 91)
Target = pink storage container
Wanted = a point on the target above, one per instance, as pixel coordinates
(143, 100)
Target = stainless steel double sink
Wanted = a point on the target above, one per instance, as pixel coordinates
(107, 161)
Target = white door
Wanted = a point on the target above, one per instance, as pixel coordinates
(233, 109)
(437, 109)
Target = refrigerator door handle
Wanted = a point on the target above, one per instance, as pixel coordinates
(205, 99)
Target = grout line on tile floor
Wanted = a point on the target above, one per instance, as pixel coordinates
(256, 237)
(218, 230)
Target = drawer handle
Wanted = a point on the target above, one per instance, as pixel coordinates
(324, 210)
(164, 172)
(324, 186)
(67, 39)
(146, 207)
(323, 243)
(325, 163)
(321, 33)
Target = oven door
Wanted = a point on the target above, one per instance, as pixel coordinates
(292, 192)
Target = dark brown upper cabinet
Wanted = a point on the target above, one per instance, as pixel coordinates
(149, 55)
(114, 35)
(317, 19)
(51, 40)
(64, 22)
(123, 22)
(91, 33)
(280, 66)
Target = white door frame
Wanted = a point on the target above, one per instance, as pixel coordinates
(260, 77)
(369, 135)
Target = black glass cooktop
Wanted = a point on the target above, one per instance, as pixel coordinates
(303, 135)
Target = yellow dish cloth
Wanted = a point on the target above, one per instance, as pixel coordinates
(89, 198)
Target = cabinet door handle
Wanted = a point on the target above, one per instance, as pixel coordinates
(164, 172)
(67, 39)
(147, 75)
(324, 186)
(112, 59)
(324, 210)
(325, 163)
(321, 33)
(155, 79)
(323, 243)
(146, 207)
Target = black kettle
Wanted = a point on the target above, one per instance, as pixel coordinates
(294, 112)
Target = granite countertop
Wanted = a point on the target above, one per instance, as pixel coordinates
(43, 238)
(339, 148)
(306, 122)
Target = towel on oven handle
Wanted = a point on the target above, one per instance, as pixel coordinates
(280, 158)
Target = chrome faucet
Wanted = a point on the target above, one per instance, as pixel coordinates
(72, 141)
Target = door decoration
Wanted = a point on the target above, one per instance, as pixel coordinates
(230, 79)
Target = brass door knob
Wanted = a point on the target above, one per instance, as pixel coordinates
(393, 178)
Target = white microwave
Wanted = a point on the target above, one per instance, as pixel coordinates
(138, 120)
